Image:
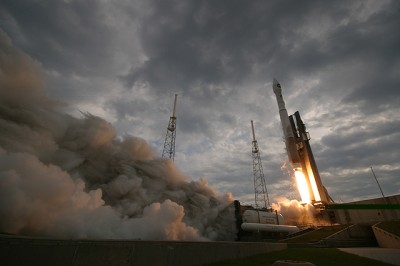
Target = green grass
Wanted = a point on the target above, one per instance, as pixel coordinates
(392, 227)
(317, 256)
(316, 235)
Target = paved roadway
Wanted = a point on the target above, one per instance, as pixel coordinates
(388, 255)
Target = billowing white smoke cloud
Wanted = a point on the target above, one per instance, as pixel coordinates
(296, 213)
(67, 177)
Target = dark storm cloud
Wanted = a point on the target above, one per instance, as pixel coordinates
(379, 93)
(374, 43)
(351, 185)
(67, 36)
(352, 150)
(228, 119)
(210, 43)
(359, 154)
(359, 132)
(126, 108)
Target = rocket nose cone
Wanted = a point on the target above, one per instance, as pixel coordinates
(276, 86)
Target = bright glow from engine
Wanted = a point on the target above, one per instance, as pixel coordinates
(314, 187)
(302, 186)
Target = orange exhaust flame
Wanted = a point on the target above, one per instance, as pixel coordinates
(302, 186)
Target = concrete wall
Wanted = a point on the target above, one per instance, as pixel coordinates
(353, 232)
(352, 236)
(386, 239)
(35, 251)
(344, 216)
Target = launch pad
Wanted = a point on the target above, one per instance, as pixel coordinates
(309, 182)
(266, 223)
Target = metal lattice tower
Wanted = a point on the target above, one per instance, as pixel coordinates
(169, 144)
(260, 189)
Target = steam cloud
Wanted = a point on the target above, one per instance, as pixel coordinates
(296, 213)
(66, 177)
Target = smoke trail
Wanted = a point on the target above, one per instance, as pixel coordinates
(296, 213)
(67, 177)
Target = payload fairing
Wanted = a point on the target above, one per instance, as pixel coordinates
(286, 127)
(299, 152)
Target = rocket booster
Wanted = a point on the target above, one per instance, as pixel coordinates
(290, 141)
(299, 150)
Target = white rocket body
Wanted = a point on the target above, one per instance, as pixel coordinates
(299, 150)
(287, 129)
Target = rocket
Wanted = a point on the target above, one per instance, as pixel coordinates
(299, 151)
(290, 141)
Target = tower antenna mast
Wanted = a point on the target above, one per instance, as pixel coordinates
(260, 189)
(169, 144)
(376, 179)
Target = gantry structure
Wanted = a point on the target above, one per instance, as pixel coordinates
(169, 144)
(260, 189)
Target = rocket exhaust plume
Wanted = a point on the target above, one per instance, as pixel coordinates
(297, 213)
(302, 186)
(66, 177)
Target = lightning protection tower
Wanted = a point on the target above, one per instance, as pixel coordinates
(169, 144)
(260, 189)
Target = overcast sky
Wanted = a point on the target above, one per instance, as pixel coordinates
(338, 63)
